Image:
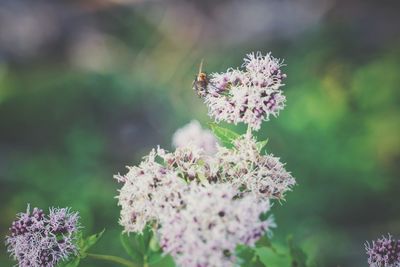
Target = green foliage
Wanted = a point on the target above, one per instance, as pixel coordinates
(224, 135)
(264, 241)
(74, 262)
(298, 256)
(142, 247)
(84, 244)
(248, 257)
(131, 248)
(227, 136)
(266, 254)
(271, 258)
(261, 145)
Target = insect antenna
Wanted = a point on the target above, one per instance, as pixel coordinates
(201, 66)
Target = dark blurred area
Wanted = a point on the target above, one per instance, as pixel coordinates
(87, 87)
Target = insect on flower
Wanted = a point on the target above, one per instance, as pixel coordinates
(201, 81)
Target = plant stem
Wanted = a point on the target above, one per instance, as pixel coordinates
(248, 133)
(145, 264)
(114, 259)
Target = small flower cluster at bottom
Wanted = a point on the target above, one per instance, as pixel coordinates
(384, 252)
(40, 240)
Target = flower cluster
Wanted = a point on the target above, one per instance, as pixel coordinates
(214, 221)
(384, 252)
(194, 134)
(149, 190)
(185, 189)
(250, 95)
(40, 240)
(247, 168)
(159, 185)
(192, 164)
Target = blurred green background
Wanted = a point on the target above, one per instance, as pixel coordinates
(88, 87)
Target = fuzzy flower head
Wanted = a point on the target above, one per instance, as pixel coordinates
(191, 163)
(384, 252)
(193, 133)
(214, 220)
(250, 95)
(149, 190)
(246, 168)
(185, 161)
(40, 240)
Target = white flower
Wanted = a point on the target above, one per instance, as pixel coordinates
(191, 164)
(149, 191)
(192, 133)
(156, 187)
(212, 223)
(264, 71)
(245, 167)
(251, 95)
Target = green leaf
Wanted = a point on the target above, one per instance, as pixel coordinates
(70, 263)
(85, 244)
(131, 248)
(261, 144)
(226, 136)
(264, 241)
(247, 257)
(154, 244)
(144, 238)
(154, 257)
(299, 258)
(166, 261)
(154, 254)
(142, 247)
(272, 259)
(245, 254)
